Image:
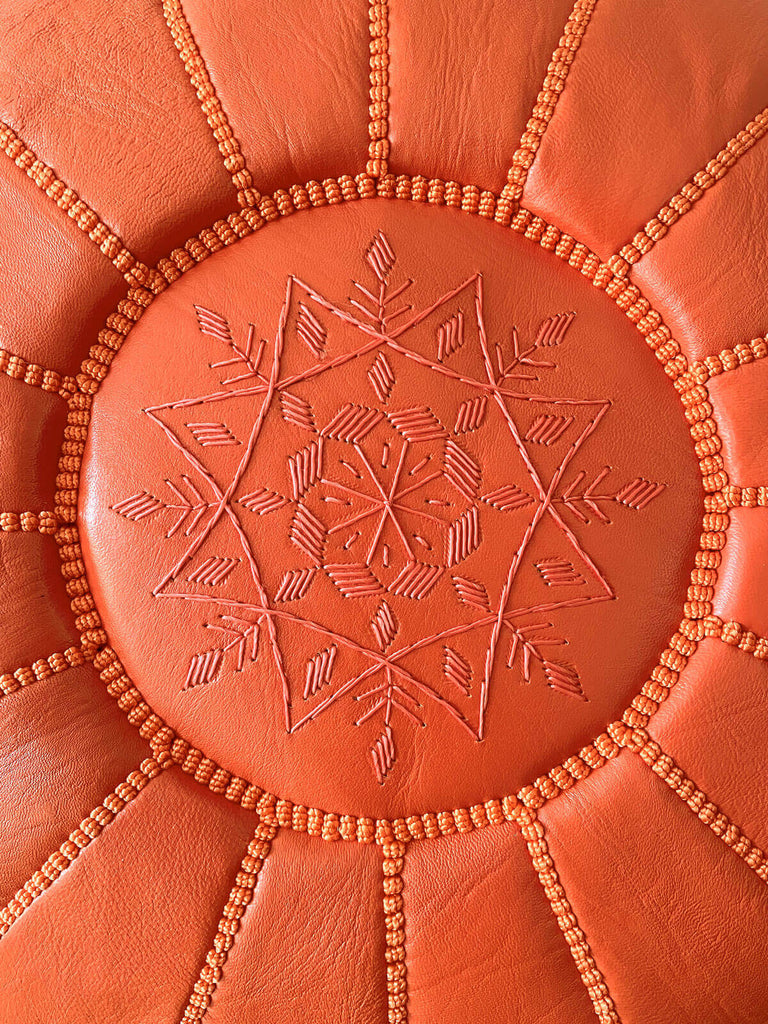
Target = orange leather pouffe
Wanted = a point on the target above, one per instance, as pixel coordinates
(384, 512)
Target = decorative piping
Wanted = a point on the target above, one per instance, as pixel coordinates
(237, 903)
(693, 190)
(544, 108)
(55, 663)
(133, 270)
(194, 65)
(88, 830)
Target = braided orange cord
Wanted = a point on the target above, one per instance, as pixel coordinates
(237, 903)
(639, 742)
(36, 376)
(28, 522)
(60, 661)
(726, 361)
(394, 921)
(533, 833)
(226, 140)
(737, 635)
(133, 270)
(378, 126)
(690, 193)
(544, 108)
(83, 835)
(738, 497)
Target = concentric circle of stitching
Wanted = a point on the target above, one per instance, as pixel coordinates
(698, 412)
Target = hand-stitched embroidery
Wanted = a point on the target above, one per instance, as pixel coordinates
(379, 501)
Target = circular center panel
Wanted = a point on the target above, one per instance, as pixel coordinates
(387, 509)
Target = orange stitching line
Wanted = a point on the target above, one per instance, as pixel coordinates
(237, 903)
(378, 127)
(132, 269)
(544, 108)
(28, 522)
(738, 497)
(737, 635)
(639, 742)
(10, 682)
(627, 296)
(83, 835)
(394, 921)
(724, 362)
(36, 376)
(533, 833)
(226, 140)
(691, 192)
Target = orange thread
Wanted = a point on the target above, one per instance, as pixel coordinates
(627, 296)
(394, 921)
(737, 497)
(690, 193)
(237, 903)
(544, 108)
(133, 270)
(36, 376)
(737, 635)
(226, 140)
(723, 362)
(28, 522)
(10, 682)
(533, 833)
(378, 126)
(639, 742)
(83, 835)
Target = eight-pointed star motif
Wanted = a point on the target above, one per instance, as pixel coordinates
(377, 504)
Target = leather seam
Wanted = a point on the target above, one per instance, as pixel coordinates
(692, 191)
(534, 834)
(544, 108)
(238, 901)
(132, 269)
(218, 122)
(378, 126)
(626, 295)
(44, 668)
(89, 829)
(652, 754)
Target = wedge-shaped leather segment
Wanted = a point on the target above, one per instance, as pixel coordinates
(649, 883)
(740, 401)
(743, 575)
(64, 744)
(299, 113)
(716, 712)
(480, 104)
(707, 276)
(31, 430)
(137, 147)
(119, 937)
(481, 940)
(35, 615)
(638, 151)
(312, 940)
(41, 320)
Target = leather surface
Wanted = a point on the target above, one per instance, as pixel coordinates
(383, 512)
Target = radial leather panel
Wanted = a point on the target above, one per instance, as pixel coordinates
(383, 512)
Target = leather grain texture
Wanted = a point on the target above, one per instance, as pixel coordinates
(383, 512)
